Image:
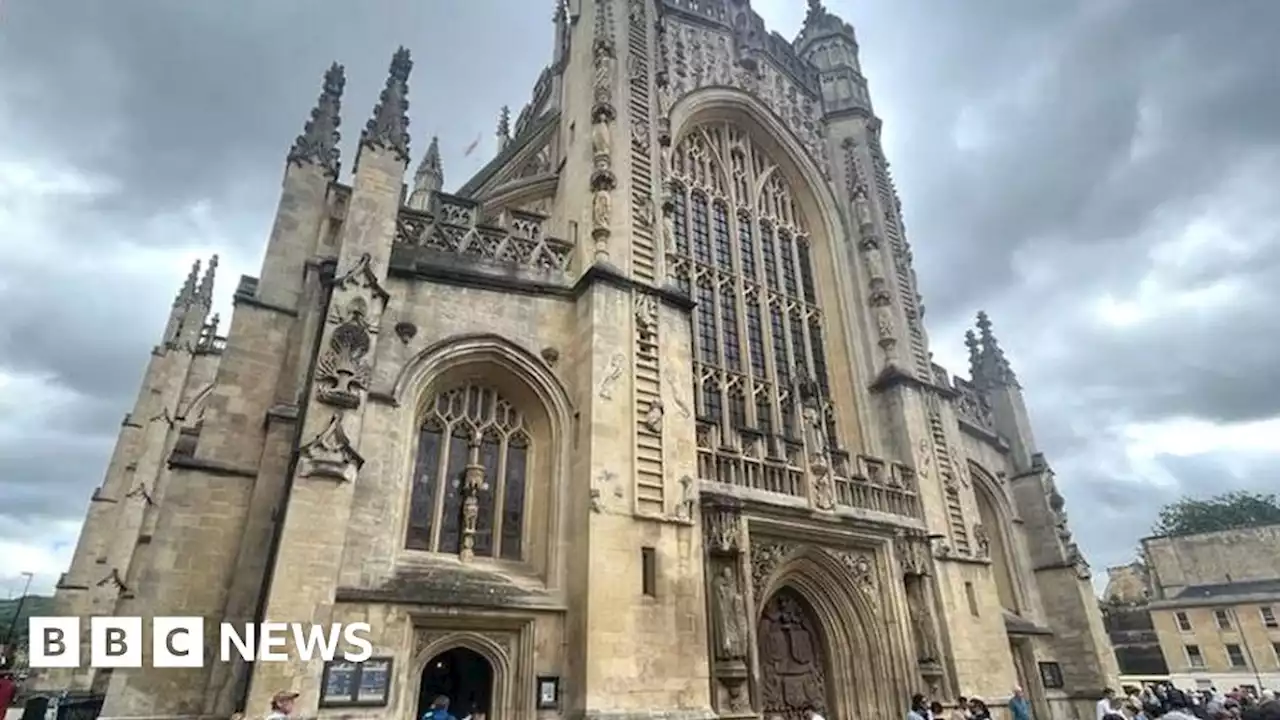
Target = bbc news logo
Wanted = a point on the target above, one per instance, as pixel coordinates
(179, 642)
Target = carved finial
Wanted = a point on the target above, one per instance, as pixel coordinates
(429, 177)
(318, 143)
(975, 353)
(562, 10)
(188, 291)
(205, 293)
(504, 122)
(388, 129)
(992, 367)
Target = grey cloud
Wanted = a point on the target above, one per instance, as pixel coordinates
(1136, 116)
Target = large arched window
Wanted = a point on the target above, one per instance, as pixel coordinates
(470, 477)
(741, 249)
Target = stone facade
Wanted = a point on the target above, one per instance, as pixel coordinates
(646, 407)
(1214, 604)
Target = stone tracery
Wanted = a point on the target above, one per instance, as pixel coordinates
(740, 248)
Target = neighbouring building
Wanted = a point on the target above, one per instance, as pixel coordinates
(1215, 606)
(1129, 624)
(639, 422)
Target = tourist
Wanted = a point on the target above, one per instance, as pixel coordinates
(978, 709)
(1019, 705)
(936, 710)
(962, 709)
(811, 712)
(282, 705)
(1105, 706)
(439, 710)
(8, 689)
(918, 711)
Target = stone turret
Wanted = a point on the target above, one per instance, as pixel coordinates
(429, 178)
(829, 44)
(504, 128)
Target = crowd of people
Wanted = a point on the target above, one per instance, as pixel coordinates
(1163, 700)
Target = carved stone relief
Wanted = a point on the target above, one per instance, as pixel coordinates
(360, 283)
(860, 567)
(765, 558)
(342, 373)
(982, 541)
(695, 57)
(611, 375)
(722, 530)
(331, 454)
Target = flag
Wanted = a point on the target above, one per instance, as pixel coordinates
(471, 148)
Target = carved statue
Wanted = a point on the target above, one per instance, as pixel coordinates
(653, 418)
(601, 210)
(815, 431)
(861, 208)
(824, 491)
(921, 623)
(884, 322)
(669, 231)
(982, 540)
(731, 610)
(601, 145)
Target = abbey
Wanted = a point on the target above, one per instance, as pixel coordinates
(640, 422)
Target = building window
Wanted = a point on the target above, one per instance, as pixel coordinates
(1194, 657)
(1235, 656)
(1224, 620)
(1184, 622)
(1051, 675)
(972, 597)
(747, 254)
(1275, 648)
(1268, 616)
(648, 571)
(473, 460)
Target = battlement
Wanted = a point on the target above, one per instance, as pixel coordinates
(771, 44)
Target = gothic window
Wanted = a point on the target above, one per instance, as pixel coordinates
(746, 249)
(472, 443)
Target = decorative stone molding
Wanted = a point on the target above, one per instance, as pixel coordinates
(331, 454)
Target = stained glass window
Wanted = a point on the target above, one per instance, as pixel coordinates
(470, 425)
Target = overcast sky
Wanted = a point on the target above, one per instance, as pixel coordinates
(1100, 176)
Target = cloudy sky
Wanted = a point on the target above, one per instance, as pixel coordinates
(1100, 176)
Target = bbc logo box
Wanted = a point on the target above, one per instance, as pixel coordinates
(115, 642)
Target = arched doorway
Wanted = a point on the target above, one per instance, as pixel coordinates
(462, 675)
(792, 658)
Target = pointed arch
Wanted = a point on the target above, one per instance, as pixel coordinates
(850, 625)
(492, 362)
(195, 408)
(500, 662)
(998, 515)
(807, 319)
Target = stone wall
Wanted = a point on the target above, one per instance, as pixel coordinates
(1213, 558)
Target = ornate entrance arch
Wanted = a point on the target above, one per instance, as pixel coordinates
(793, 660)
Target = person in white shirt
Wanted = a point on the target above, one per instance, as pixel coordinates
(1104, 707)
(811, 713)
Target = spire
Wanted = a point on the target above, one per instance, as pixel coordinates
(992, 368)
(188, 291)
(429, 178)
(388, 129)
(318, 143)
(562, 10)
(205, 293)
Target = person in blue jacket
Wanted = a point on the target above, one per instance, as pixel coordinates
(439, 710)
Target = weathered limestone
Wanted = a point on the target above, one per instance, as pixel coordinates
(645, 403)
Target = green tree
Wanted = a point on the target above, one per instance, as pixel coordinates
(1224, 512)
